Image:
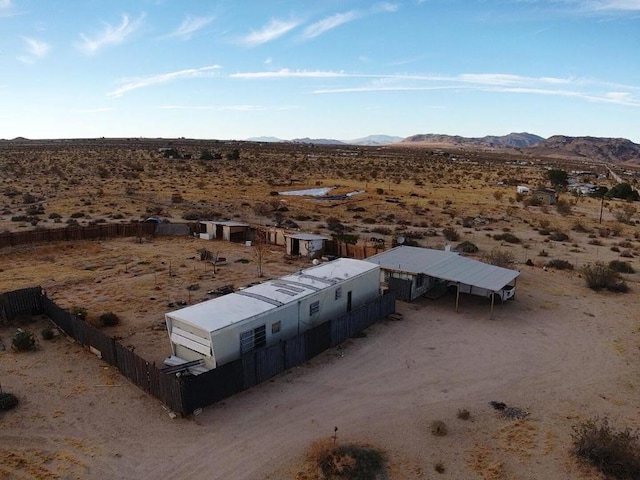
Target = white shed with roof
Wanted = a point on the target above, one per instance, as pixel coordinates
(220, 330)
(305, 244)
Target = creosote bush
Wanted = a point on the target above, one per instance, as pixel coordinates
(47, 334)
(507, 237)
(614, 453)
(438, 428)
(23, 341)
(451, 234)
(499, 257)
(8, 401)
(467, 247)
(464, 414)
(599, 276)
(621, 267)
(559, 264)
(108, 319)
(349, 461)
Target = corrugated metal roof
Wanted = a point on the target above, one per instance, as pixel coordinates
(446, 266)
(306, 236)
(227, 223)
(226, 310)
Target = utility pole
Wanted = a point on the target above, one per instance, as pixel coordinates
(601, 207)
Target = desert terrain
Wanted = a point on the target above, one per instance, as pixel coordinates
(560, 351)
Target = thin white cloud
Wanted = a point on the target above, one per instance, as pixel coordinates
(286, 73)
(5, 4)
(333, 21)
(230, 108)
(110, 35)
(93, 110)
(129, 86)
(329, 23)
(190, 25)
(271, 31)
(36, 48)
(619, 5)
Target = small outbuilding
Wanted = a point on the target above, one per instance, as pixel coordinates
(414, 271)
(221, 330)
(305, 244)
(223, 230)
(545, 196)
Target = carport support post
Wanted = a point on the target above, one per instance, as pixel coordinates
(493, 299)
(457, 296)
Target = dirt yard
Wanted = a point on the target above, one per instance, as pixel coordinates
(561, 352)
(557, 352)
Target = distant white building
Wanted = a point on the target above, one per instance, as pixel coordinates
(522, 189)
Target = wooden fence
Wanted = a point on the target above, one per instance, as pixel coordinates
(91, 232)
(359, 251)
(185, 393)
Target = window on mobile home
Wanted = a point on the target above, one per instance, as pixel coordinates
(252, 339)
(338, 292)
(314, 308)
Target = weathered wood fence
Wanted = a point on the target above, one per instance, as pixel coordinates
(185, 393)
(92, 232)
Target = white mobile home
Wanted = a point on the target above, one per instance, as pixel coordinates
(221, 330)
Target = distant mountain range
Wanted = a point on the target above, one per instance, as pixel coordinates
(617, 150)
(514, 140)
(371, 140)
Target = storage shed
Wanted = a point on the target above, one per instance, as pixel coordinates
(221, 330)
(305, 244)
(415, 271)
(223, 230)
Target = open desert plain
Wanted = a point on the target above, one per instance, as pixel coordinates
(415, 388)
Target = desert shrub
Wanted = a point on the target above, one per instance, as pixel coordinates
(350, 461)
(19, 218)
(382, 230)
(467, 247)
(599, 276)
(451, 234)
(23, 341)
(439, 467)
(438, 428)
(79, 312)
(368, 221)
(544, 231)
(507, 237)
(464, 414)
(77, 214)
(558, 236)
(7, 401)
(559, 264)
(108, 319)
(579, 227)
(380, 191)
(626, 254)
(614, 453)
(176, 198)
(498, 194)
(595, 242)
(615, 249)
(47, 334)
(499, 257)
(563, 207)
(621, 267)
(54, 215)
(543, 253)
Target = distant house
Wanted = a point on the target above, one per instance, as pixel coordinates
(545, 196)
(305, 244)
(223, 230)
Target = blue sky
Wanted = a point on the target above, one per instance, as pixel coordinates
(343, 69)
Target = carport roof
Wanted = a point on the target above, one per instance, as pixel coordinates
(448, 266)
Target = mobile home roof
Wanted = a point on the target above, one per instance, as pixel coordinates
(226, 310)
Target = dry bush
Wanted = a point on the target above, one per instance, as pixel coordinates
(560, 264)
(108, 319)
(463, 414)
(506, 237)
(599, 276)
(7, 401)
(438, 428)
(621, 267)
(467, 247)
(348, 461)
(451, 234)
(499, 257)
(614, 453)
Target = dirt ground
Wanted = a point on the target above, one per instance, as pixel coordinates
(558, 351)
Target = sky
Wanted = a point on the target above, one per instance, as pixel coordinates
(339, 69)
